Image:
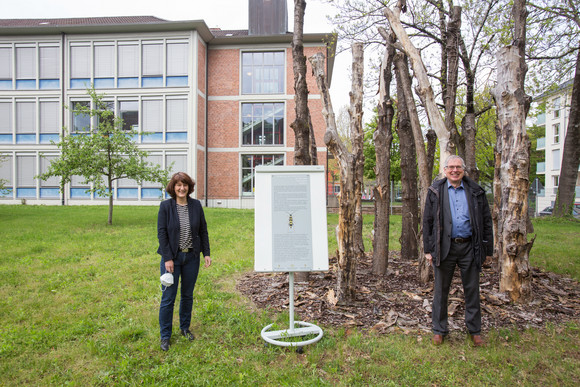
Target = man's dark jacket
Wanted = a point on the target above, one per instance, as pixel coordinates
(168, 229)
(437, 221)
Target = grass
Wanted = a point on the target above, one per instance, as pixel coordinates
(79, 303)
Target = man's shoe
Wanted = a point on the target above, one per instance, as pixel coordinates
(188, 334)
(477, 341)
(437, 339)
(165, 344)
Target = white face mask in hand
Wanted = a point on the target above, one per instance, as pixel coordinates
(167, 279)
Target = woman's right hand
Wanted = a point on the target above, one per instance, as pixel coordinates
(169, 266)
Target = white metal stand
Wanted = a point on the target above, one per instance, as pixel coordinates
(273, 337)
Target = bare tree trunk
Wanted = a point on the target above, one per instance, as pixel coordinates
(409, 197)
(468, 129)
(404, 79)
(450, 92)
(350, 181)
(110, 185)
(571, 153)
(305, 144)
(512, 108)
(431, 148)
(383, 138)
(424, 89)
(355, 112)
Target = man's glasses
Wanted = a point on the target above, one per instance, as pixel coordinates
(458, 167)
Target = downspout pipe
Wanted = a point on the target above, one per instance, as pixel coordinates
(206, 123)
(62, 97)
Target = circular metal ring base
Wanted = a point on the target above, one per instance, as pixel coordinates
(309, 329)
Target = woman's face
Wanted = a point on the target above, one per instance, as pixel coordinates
(181, 190)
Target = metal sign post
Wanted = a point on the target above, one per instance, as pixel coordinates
(273, 337)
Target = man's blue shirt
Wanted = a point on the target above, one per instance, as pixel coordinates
(459, 212)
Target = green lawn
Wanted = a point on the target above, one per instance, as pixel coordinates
(79, 303)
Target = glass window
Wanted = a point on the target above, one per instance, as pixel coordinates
(556, 133)
(5, 122)
(6, 175)
(80, 122)
(263, 124)
(152, 121)
(177, 59)
(49, 62)
(129, 60)
(129, 113)
(6, 63)
(556, 159)
(104, 61)
(49, 127)
(557, 107)
(152, 59)
(26, 62)
(25, 172)
(249, 163)
(80, 62)
(263, 72)
(26, 122)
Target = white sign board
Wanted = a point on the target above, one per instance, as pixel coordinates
(290, 219)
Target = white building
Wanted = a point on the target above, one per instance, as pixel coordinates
(555, 123)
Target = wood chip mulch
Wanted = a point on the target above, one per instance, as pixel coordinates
(398, 302)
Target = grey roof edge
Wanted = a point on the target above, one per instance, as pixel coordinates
(186, 25)
(556, 90)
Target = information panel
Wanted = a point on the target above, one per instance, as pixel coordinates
(290, 219)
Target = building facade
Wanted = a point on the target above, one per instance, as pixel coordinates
(555, 123)
(215, 103)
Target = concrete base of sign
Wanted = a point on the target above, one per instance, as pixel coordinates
(309, 329)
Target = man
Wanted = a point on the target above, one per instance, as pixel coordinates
(457, 230)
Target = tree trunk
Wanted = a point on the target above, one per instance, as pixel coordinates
(450, 91)
(410, 207)
(350, 185)
(110, 183)
(424, 89)
(571, 153)
(404, 79)
(305, 143)
(355, 112)
(301, 124)
(383, 138)
(468, 130)
(512, 107)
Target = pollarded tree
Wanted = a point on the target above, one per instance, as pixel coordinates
(102, 155)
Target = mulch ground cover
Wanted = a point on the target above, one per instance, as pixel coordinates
(397, 302)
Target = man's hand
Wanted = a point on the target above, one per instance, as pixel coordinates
(207, 261)
(169, 266)
(429, 258)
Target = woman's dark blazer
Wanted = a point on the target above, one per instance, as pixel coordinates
(168, 229)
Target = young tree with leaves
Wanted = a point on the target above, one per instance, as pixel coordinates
(103, 154)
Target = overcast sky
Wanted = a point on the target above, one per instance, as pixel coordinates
(225, 14)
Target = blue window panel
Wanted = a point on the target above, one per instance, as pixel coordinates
(49, 193)
(80, 83)
(47, 138)
(151, 193)
(104, 83)
(128, 82)
(5, 139)
(177, 81)
(152, 81)
(127, 193)
(99, 196)
(79, 193)
(26, 192)
(25, 84)
(5, 84)
(50, 84)
(6, 193)
(152, 137)
(176, 137)
(26, 138)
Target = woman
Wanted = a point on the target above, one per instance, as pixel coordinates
(182, 234)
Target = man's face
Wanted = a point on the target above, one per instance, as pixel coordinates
(454, 172)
